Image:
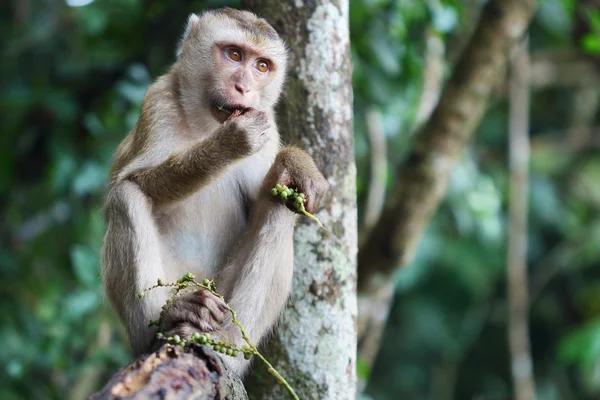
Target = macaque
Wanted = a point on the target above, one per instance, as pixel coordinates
(190, 189)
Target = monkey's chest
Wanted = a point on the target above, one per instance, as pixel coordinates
(200, 233)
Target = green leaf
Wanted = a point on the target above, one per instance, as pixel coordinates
(581, 346)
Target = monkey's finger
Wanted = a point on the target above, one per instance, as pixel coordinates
(185, 311)
(214, 304)
(210, 306)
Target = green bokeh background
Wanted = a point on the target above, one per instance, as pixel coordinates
(72, 80)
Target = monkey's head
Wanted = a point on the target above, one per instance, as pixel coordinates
(230, 60)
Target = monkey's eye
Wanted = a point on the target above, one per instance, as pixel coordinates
(234, 54)
(262, 65)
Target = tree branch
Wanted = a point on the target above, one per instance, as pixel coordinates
(174, 373)
(424, 175)
(518, 296)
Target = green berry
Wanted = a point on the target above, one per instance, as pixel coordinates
(274, 192)
(217, 348)
(229, 352)
(247, 356)
(206, 282)
(234, 353)
(159, 282)
(177, 338)
(141, 295)
(159, 335)
(195, 336)
(283, 195)
(278, 187)
(203, 339)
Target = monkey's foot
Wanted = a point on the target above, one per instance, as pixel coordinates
(200, 311)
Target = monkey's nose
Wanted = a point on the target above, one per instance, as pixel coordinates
(240, 89)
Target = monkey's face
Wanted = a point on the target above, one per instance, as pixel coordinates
(230, 60)
(242, 73)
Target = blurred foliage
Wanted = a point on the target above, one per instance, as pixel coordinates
(72, 80)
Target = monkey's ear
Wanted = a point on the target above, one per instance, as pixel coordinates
(192, 21)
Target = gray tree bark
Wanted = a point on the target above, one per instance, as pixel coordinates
(314, 347)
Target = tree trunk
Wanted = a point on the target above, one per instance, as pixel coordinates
(174, 373)
(315, 344)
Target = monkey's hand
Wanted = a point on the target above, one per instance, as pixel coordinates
(247, 130)
(200, 311)
(294, 168)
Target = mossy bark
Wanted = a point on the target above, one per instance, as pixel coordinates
(314, 346)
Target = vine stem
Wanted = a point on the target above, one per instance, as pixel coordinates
(253, 348)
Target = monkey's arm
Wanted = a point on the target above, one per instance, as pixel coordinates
(185, 172)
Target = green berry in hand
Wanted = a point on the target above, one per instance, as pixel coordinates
(234, 353)
(229, 352)
(274, 192)
(278, 187)
(195, 336)
(283, 195)
(205, 282)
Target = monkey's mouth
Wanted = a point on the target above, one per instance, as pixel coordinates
(222, 112)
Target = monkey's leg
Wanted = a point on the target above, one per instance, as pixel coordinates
(257, 281)
(132, 261)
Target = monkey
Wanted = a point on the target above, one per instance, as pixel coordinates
(189, 189)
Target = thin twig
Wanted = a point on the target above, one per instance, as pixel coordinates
(517, 288)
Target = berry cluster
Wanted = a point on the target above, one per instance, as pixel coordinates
(290, 194)
(204, 339)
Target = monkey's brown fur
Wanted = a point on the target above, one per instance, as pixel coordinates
(190, 188)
